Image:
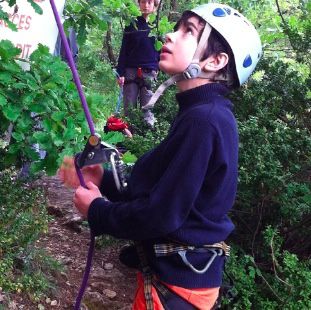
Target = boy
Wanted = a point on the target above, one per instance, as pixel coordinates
(138, 61)
(179, 193)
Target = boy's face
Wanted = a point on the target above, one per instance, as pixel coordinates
(180, 46)
(146, 7)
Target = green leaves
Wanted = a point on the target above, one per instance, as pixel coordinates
(36, 7)
(45, 109)
(3, 101)
(11, 112)
(58, 116)
(23, 218)
(5, 18)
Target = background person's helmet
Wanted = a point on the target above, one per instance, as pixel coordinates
(239, 33)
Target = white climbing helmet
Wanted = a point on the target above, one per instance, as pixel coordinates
(239, 33)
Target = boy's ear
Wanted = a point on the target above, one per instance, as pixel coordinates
(215, 63)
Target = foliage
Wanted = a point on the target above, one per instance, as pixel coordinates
(83, 16)
(95, 72)
(23, 217)
(44, 108)
(6, 18)
(280, 282)
(271, 258)
(144, 138)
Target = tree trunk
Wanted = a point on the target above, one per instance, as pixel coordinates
(173, 13)
(173, 5)
(108, 46)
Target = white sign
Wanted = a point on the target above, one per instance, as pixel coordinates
(33, 28)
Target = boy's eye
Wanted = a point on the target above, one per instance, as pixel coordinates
(189, 30)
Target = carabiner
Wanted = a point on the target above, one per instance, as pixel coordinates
(183, 253)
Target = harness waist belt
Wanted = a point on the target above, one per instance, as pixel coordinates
(165, 249)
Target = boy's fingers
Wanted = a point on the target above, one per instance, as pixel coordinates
(91, 185)
(68, 162)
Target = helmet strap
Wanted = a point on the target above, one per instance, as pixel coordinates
(194, 68)
(175, 78)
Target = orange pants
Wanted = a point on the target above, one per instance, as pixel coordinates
(201, 298)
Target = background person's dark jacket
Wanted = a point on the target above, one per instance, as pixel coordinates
(137, 49)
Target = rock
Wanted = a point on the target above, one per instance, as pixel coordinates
(54, 303)
(13, 305)
(48, 300)
(97, 285)
(55, 210)
(64, 275)
(95, 296)
(74, 223)
(108, 266)
(109, 293)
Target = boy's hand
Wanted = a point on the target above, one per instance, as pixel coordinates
(84, 196)
(68, 175)
(121, 81)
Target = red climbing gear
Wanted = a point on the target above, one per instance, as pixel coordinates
(139, 73)
(116, 124)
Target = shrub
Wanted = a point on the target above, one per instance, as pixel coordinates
(23, 218)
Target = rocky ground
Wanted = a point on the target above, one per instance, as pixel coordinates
(111, 285)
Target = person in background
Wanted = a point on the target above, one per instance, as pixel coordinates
(179, 194)
(138, 61)
(73, 45)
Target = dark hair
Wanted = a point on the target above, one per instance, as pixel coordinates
(216, 45)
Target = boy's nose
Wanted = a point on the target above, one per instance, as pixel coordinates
(169, 37)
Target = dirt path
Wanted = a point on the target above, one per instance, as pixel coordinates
(111, 285)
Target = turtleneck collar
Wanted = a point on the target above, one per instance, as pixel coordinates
(202, 93)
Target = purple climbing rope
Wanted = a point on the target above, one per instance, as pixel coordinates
(87, 113)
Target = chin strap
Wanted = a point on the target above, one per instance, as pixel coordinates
(161, 89)
(193, 71)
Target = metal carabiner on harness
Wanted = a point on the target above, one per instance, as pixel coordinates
(216, 252)
(218, 249)
(97, 152)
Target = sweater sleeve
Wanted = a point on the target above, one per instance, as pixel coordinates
(170, 200)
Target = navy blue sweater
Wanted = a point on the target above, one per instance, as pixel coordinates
(180, 191)
(137, 49)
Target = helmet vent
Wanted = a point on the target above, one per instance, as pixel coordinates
(228, 10)
(219, 12)
(247, 61)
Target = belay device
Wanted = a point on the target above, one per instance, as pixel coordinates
(95, 151)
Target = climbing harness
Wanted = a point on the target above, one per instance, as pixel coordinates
(166, 249)
(139, 79)
(217, 249)
(95, 151)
